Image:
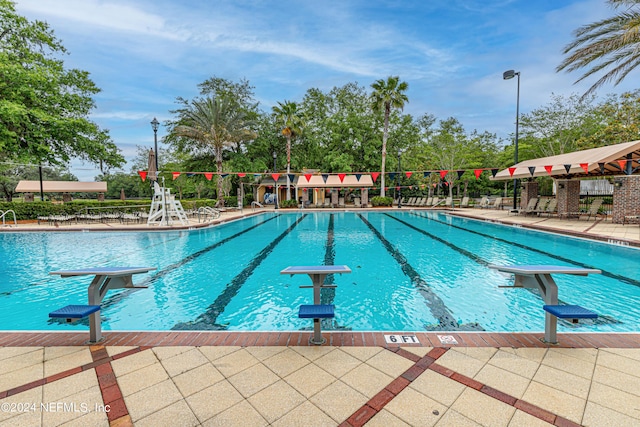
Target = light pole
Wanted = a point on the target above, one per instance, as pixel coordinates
(509, 74)
(398, 181)
(275, 184)
(154, 125)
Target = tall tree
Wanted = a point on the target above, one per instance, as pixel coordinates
(209, 126)
(387, 95)
(610, 45)
(292, 121)
(44, 107)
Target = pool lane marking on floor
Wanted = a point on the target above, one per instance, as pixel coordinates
(438, 308)
(207, 320)
(327, 295)
(605, 273)
(113, 299)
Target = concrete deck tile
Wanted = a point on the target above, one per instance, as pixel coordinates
(59, 361)
(138, 380)
(585, 354)
(483, 354)
(420, 351)
(367, 380)
(363, 353)
(619, 363)
(21, 376)
(461, 362)
(56, 352)
(253, 379)
(263, 353)
(286, 362)
(9, 352)
(235, 362)
(453, 418)
(10, 415)
(631, 353)
(569, 364)
(214, 353)
(617, 379)
(312, 352)
(134, 362)
(533, 354)
(562, 380)
(503, 380)
(168, 352)
(60, 389)
(112, 350)
(522, 419)
(182, 362)
(483, 409)
(197, 379)
(309, 380)
(306, 415)
(276, 400)
(92, 419)
(385, 418)
(511, 362)
(213, 400)
(404, 406)
(242, 414)
(389, 363)
(151, 399)
(175, 415)
(21, 361)
(338, 400)
(337, 362)
(438, 387)
(618, 400)
(600, 416)
(556, 401)
(71, 407)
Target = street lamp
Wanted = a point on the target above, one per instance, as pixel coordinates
(275, 184)
(398, 180)
(507, 75)
(154, 125)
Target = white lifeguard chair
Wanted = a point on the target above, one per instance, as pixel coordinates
(165, 209)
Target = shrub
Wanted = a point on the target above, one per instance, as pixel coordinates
(381, 201)
(289, 204)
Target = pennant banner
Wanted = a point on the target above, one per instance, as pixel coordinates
(275, 176)
(325, 176)
(358, 176)
(477, 173)
(224, 175)
(208, 175)
(175, 175)
(308, 176)
(494, 171)
(585, 166)
(291, 177)
(427, 174)
(602, 165)
(511, 171)
(623, 165)
(460, 173)
(392, 176)
(408, 174)
(241, 174)
(375, 175)
(143, 175)
(567, 168)
(190, 174)
(532, 170)
(443, 173)
(341, 176)
(548, 169)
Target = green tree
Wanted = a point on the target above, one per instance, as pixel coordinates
(387, 95)
(291, 119)
(206, 127)
(44, 107)
(609, 45)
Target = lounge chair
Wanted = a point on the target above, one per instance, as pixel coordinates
(427, 202)
(593, 209)
(552, 207)
(484, 202)
(435, 201)
(449, 202)
(412, 201)
(465, 202)
(356, 202)
(341, 202)
(497, 204)
(327, 202)
(531, 207)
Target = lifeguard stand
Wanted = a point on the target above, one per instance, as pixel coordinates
(165, 209)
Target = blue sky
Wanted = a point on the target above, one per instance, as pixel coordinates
(144, 54)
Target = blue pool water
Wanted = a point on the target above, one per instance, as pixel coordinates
(411, 271)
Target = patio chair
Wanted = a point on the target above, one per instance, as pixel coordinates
(356, 202)
(426, 201)
(542, 206)
(552, 207)
(531, 207)
(435, 201)
(497, 203)
(465, 202)
(341, 202)
(484, 202)
(593, 209)
(449, 202)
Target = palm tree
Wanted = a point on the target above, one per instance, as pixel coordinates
(292, 121)
(610, 43)
(213, 124)
(387, 95)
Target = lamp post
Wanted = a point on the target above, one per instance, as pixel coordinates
(275, 184)
(509, 74)
(398, 180)
(154, 125)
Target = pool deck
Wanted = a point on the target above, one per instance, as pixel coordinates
(276, 378)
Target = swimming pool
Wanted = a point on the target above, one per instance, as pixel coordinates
(411, 271)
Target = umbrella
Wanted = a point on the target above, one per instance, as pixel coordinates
(152, 173)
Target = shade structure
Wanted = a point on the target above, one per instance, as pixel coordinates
(334, 181)
(152, 171)
(61, 187)
(593, 158)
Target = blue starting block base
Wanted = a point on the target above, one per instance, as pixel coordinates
(573, 312)
(316, 311)
(72, 313)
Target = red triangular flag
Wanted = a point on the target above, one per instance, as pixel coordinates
(175, 175)
(408, 174)
(375, 175)
(477, 173)
(548, 169)
(308, 176)
(208, 175)
(585, 166)
(143, 175)
(623, 164)
(341, 176)
(242, 175)
(511, 171)
(275, 176)
(443, 173)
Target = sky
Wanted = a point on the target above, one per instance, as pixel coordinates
(144, 54)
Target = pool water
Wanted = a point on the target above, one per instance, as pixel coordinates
(411, 271)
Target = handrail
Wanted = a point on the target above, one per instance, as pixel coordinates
(255, 204)
(206, 211)
(4, 213)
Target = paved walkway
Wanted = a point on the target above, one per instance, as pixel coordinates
(260, 379)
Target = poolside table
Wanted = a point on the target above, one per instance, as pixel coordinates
(539, 277)
(105, 278)
(317, 273)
